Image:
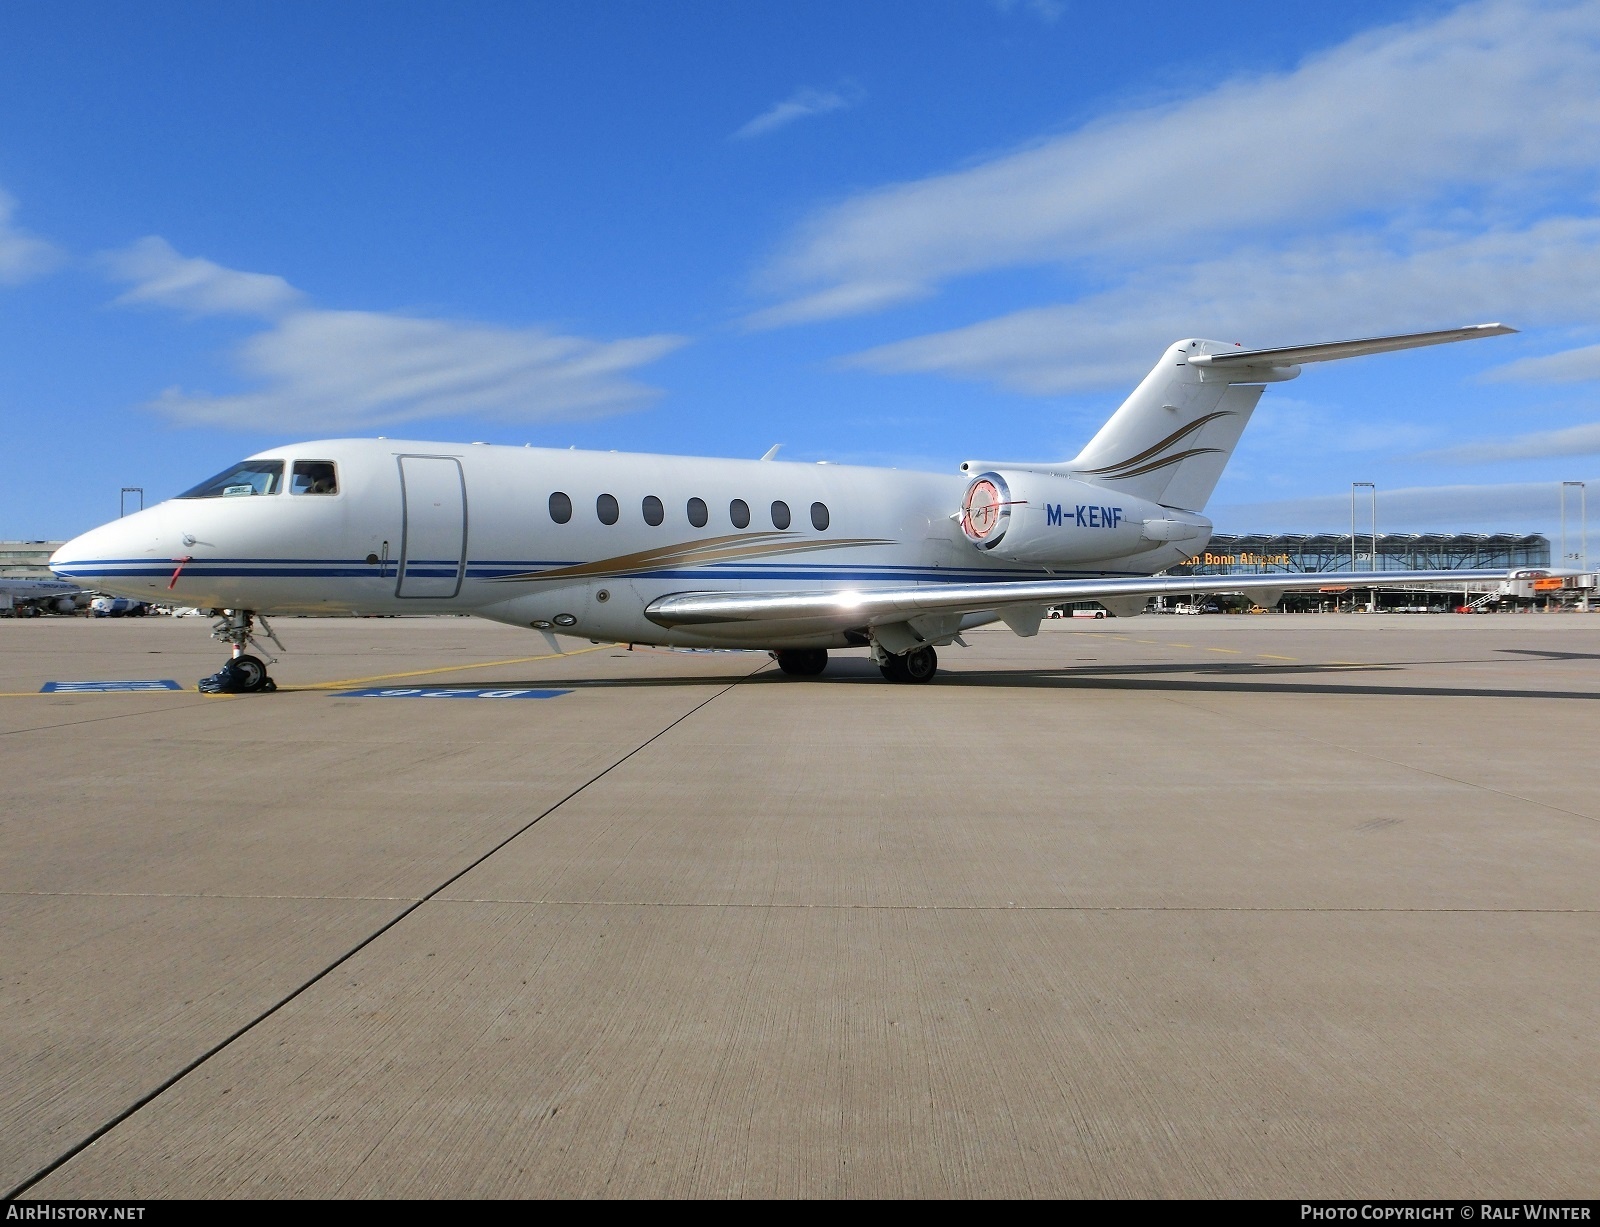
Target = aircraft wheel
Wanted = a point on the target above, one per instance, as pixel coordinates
(251, 673)
(915, 666)
(803, 662)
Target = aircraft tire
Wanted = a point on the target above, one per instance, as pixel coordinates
(918, 665)
(803, 662)
(251, 673)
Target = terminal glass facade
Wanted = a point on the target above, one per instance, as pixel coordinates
(1313, 553)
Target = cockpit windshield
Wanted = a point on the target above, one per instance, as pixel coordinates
(246, 477)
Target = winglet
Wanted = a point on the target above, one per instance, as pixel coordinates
(772, 452)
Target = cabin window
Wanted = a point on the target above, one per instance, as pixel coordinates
(698, 512)
(654, 512)
(313, 477)
(560, 507)
(780, 515)
(606, 508)
(244, 478)
(819, 517)
(739, 513)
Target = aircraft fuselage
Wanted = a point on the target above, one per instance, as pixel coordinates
(429, 528)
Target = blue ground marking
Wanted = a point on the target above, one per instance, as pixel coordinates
(417, 692)
(102, 687)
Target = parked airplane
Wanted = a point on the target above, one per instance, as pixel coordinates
(795, 558)
(28, 597)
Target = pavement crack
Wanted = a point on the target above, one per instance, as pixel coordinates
(163, 1087)
(143, 711)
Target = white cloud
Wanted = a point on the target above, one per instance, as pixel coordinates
(1283, 425)
(1540, 445)
(356, 369)
(802, 104)
(160, 276)
(1569, 366)
(1496, 101)
(850, 299)
(23, 256)
(1508, 507)
(1047, 11)
(318, 369)
(1318, 289)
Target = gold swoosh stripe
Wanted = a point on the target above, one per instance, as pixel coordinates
(1176, 458)
(693, 553)
(1182, 432)
(660, 555)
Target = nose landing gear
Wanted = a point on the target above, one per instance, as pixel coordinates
(243, 673)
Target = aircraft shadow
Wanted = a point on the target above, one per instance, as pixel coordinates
(1547, 655)
(1206, 677)
(1260, 686)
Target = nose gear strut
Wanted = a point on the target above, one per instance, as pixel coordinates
(243, 673)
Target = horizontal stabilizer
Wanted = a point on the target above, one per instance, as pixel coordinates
(1327, 351)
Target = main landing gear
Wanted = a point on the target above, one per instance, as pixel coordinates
(802, 662)
(243, 673)
(917, 665)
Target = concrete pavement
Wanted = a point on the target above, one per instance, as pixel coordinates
(1217, 906)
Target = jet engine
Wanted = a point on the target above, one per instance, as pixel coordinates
(1026, 516)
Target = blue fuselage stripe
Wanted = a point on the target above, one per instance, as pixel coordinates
(507, 572)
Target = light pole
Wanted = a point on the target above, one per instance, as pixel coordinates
(1582, 557)
(1372, 487)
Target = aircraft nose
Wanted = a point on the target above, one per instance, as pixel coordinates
(71, 556)
(105, 558)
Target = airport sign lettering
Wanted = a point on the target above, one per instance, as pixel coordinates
(105, 687)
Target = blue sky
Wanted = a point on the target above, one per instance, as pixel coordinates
(897, 233)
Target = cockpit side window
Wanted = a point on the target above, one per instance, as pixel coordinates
(246, 477)
(314, 477)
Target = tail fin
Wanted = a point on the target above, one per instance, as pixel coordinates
(1169, 441)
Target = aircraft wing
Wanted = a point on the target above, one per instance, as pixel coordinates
(1327, 351)
(874, 607)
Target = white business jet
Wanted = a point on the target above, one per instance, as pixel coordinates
(793, 558)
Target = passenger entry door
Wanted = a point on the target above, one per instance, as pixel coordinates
(433, 540)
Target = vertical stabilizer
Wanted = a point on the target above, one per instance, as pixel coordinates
(1169, 441)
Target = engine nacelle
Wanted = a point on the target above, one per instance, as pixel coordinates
(1023, 516)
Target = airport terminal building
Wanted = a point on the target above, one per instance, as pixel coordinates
(1313, 553)
(27, 559)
